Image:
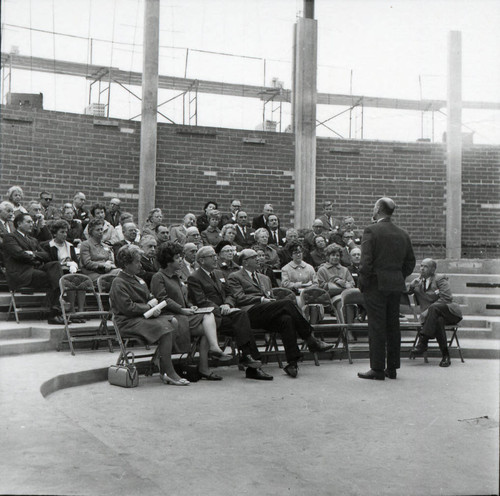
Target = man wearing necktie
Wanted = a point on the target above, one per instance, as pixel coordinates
(206, 288)
(277, 236)
(150, 265)
(252, 292)
(433, 294)
(6, 225)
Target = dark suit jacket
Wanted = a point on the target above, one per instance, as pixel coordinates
(247, 240)
(149, 269)
(83, 215)
(387, 257)
(113, 218)
(245, 292)
(258, 222)
(52, 251)
(204, 292)
(281, 237)
(326, 222)
(19, 264)
(3, 232)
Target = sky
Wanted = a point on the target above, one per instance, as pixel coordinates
(395, 49)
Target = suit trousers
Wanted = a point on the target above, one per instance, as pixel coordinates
(382, 309)
(282, 316)
(48, 274)
(237, 324)
(438, 316)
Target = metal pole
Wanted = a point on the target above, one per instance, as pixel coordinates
(309, 9)
(454, 148)
(147, 171)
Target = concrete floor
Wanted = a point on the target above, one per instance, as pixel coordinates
(325, 433)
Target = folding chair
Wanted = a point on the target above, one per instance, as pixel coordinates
(80, 283)
(103, 286)
(27, 307)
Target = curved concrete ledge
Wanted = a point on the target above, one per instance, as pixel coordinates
(73, 379)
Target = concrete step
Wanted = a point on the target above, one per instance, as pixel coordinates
(25, 345)
(469, 266)
(479, 304)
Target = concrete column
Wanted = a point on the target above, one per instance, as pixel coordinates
(454, 148)
(147, 172)
(304, 120)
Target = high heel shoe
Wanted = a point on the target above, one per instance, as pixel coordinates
(172, 382)
(219, 355)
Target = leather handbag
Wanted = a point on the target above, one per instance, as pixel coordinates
(125, 375)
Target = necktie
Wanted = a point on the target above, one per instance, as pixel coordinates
(425, 284)
(212, 276)
(275, 235)
(254, 279)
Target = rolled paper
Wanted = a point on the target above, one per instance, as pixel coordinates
(151, 311)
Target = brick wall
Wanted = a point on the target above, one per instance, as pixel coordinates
(64, 153)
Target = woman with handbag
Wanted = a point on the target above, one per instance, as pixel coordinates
(130, 299)
(167, 286)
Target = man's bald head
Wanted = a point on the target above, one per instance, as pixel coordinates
(385, 206)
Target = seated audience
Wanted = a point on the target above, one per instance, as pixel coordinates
(113, 213)
(27, 264)
(263, 267)
(245, 236)
(330, 223)
(212, 234)
(297, 274)
(225, 261)
(40, 230)
(317, 230)
(188, 263)
(292, 235)
(207, 288)
(332, 276)
(317, 257)
(355, 255)
(98, 211)
(6, 224)
(96, 258)
(193, 236)
(178, 233)
(62, 251)
(130, 232)
(433, 295)
(261, 240)
(347, 244)
(75, 231)
(231, 217)
(15, 196)
(277, 235)
(130, 299)
(261, 220)
(252, 293)
(202, 220)
(80, 212)
(125, 218)
(166, 285)
(49, 211)
(349, 225)
(150, 265)
(162, 234)
(155, 218)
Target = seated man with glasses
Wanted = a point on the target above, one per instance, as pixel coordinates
(207, 288)
(49, 212)
(252, 292)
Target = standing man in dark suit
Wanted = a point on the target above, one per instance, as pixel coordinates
(28, 264)
(433, 294)
(277, 235)
(261, 220)
(245, 236)
(387, 259)
(206, 288)
(252, 292)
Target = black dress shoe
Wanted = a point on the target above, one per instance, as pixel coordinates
(418, 350)
(378, 375)
(249, 361)
(445, 361)
(57, 320)
(292, 369)
(258, 374)
(317, 346)
(391, 373)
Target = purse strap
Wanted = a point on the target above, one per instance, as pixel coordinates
(129, 358)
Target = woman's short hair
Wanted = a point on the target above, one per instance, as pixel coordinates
(13, 189)
(166, 253)
(210, 202)
(226, 228)
(152, 212)
(294, 246)
(213, 214)
(127, 254)
(57, 225)
(333, 248)
(260, 231)
(316, 238)
(97, 206)
(221, 245)
(93, 224)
